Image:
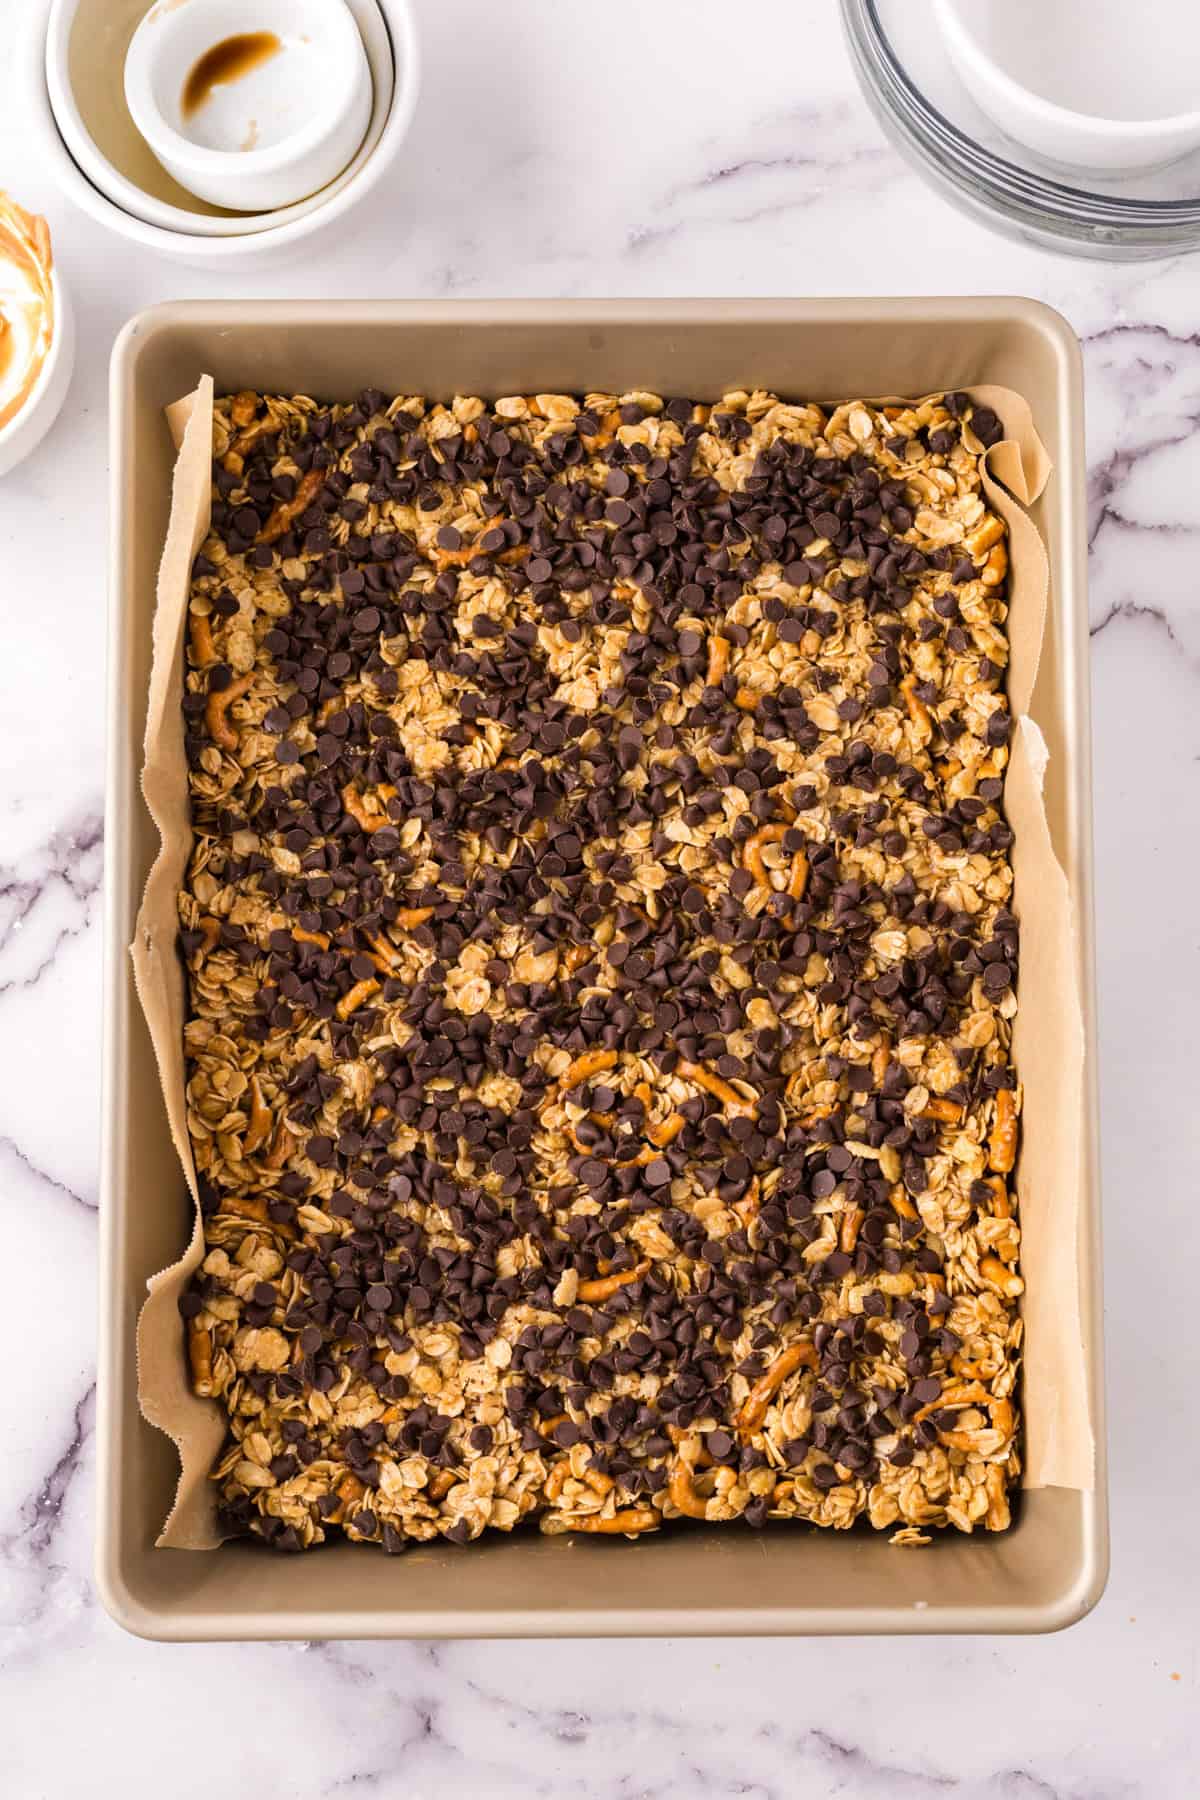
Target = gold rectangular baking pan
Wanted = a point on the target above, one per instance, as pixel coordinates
(1046, 1572)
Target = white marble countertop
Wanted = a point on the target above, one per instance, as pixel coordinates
(740, 160)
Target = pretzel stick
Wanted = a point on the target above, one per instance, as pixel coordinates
(200, 1358)
(351, 1001)
(592, 1062)
(996, 1274)
(319, 938)
(628, 1522)
(718, 660)
(1002, 1145)
(386, 956)
(607, 1285)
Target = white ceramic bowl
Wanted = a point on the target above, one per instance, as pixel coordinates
(259, 248)
(116, 173)
(26, 431)
(1076, 140)
(285, 130)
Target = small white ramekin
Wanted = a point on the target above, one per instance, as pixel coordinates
(1072, 139)
(281, 244)
(26, 431)
(322, 128)
(116, 184)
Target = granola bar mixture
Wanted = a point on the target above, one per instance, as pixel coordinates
(601, 967)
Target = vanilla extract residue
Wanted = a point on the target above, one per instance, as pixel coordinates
(226, 62)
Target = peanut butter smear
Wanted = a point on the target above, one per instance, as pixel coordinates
(26, 304)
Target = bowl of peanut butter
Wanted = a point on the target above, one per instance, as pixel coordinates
(37, 338)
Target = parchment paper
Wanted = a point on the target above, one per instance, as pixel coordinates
(1048, 1042)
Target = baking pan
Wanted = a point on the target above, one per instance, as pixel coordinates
(1050, 1568)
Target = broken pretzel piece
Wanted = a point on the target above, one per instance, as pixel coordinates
(278, 1154)
(918, 712)
(356, 807)
(848, 1229)
(667, 1131)
(900, 1203)
(753, 1409)
(216, 709)
(462, 554)
(210, 933)
(252, 1207)
(1002, 1208)
(200, 639)
(999, 1275)
(604, 435)
(733, 1102)
(947, 1112)
(259, 1125)
(287, 512)
(251, 430)
(351, 1492)
(752, 852)
(718, 660)
(682, 1492)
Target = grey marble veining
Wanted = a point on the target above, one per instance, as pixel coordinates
(620, 149)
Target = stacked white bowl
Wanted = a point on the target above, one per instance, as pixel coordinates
(106, 167)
